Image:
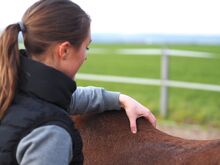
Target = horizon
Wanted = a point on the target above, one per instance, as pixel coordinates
(153, 38)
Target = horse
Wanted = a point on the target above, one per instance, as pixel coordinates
(107, 140)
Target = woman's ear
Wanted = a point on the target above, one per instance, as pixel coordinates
(64, 50)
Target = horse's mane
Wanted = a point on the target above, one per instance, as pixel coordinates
(107, 140)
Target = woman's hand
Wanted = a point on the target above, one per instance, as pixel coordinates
(135, 110)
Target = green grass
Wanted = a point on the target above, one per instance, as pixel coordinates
(123, 65)
(181, 68)
(188, 106)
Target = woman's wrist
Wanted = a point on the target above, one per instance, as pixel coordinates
(123, 99)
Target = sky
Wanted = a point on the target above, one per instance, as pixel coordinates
(136, 16)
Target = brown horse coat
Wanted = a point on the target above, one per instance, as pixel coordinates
(107, 140)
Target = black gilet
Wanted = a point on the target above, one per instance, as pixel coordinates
(42, 98)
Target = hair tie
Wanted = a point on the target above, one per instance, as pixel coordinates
(22, 27)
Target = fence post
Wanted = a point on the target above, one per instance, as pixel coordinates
(164, 78)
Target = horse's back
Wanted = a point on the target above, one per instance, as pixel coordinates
(107, 140)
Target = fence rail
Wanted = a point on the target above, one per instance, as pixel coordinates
(146, 81)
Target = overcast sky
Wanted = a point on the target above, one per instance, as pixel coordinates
(136, 16)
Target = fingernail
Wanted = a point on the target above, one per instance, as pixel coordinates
(134, 131)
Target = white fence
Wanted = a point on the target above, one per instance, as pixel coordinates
(164, 82)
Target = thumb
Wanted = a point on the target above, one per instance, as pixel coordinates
(133, 125)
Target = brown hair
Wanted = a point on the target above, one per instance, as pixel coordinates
(45, 22)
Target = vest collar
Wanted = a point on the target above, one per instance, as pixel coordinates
(45, 82)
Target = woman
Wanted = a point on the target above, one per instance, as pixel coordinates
(37, 92)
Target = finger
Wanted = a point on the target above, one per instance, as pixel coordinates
(133, 125)
(151, 118)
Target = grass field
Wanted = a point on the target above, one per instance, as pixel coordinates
(185, 105)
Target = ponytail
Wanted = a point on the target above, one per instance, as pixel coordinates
(9, 63)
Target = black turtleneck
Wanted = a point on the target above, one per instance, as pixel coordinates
(44, 82)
